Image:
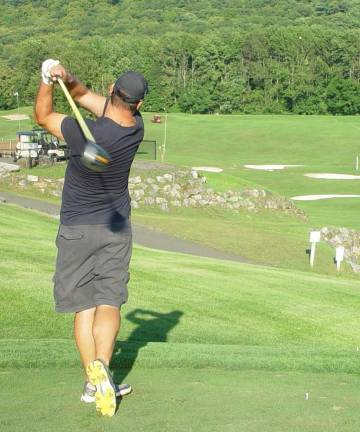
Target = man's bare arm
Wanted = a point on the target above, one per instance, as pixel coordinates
(43, 111)
(80, 93)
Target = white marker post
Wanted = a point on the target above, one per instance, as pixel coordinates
(339, 256)
(163, 150)
(314, 238)
(357, 163)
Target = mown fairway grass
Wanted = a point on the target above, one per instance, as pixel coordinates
(8, 128)
(266, 238)
(236, 140)
(320, 143)
(208, 345)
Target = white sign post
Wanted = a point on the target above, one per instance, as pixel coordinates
(314, 238)
(339, 256)
(163, 150)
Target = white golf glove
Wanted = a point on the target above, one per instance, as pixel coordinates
(45, 70)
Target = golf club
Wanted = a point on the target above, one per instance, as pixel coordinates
(94, 157)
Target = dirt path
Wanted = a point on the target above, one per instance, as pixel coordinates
(142, 235)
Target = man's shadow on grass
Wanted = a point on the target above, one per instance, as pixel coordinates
(151, 327)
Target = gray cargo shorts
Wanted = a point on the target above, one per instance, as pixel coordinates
(92, 266)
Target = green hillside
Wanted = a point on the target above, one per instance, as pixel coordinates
(128, 16)
(209, 56)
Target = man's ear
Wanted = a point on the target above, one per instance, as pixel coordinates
(111, 89)
(139, 105)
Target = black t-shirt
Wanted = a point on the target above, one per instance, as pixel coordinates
(98, 198)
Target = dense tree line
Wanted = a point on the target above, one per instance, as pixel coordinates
(206, 56)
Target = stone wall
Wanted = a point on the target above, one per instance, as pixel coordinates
(188, 189)
(180, 188)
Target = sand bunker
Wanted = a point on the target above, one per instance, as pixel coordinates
(320, 197)
(208, 169)
(14, 117)
(270, 167)
(331, 176)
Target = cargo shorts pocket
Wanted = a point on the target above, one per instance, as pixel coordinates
(70, 233)
(70, 245)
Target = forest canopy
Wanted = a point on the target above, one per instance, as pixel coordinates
(205, 56)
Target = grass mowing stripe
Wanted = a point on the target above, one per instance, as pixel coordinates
(19, 353)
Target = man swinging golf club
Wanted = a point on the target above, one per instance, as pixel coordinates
(94, 239)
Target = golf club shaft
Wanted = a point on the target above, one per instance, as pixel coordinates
(84, 127)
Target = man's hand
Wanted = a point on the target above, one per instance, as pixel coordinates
(46, 67)
(60, 71)
(51, 69)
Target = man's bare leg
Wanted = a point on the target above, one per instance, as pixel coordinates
(105, 329)
(106, 325)
(83, 331)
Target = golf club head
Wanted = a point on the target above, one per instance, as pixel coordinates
(95, 157)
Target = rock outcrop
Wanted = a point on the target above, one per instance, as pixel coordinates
(6, 168)
(349, 239)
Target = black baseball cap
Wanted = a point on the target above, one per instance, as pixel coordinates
(131, 86)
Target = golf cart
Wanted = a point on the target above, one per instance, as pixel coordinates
(27, 146)
(39, 143)
(51, 146)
